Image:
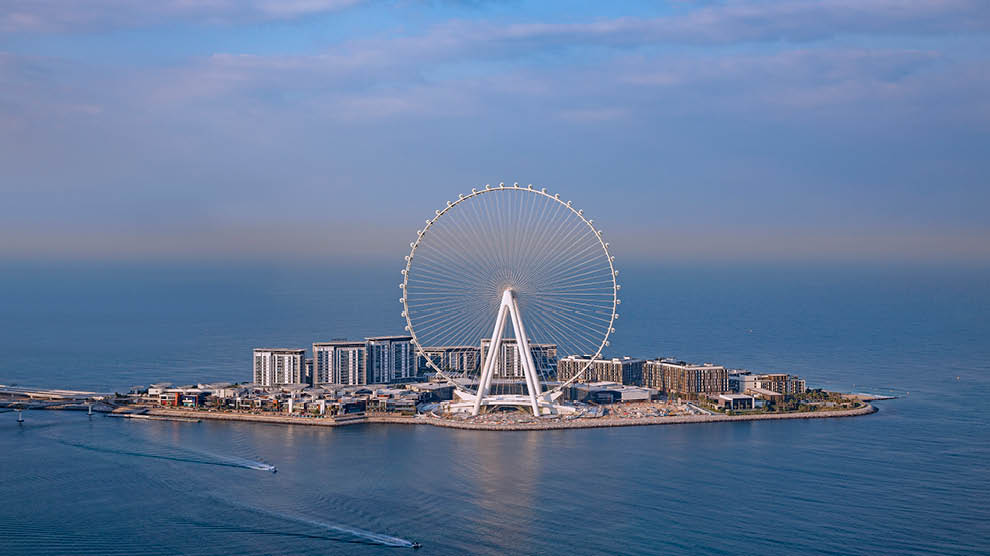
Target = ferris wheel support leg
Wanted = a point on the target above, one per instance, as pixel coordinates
(493, 348)
(526, 354)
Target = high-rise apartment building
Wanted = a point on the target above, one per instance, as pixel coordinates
(625, 371)
(340, 362)
(684, 378)
(456, 359)
(509, 365)
(278, 366)
(390, 359)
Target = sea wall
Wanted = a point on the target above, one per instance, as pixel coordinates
(600, 422)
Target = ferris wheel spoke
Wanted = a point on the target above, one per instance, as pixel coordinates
(591, 322)
(463, 332)
(582, 271)
(491, 218)
(468, 235)
(546, 237)
(540, 211)
(566, 261)
(565, 312)
(481, 245)
(559, 330)
(563, 234)
(431, 314)
(442, 332)
(439, 256)
(584, 288)
(536, 218)
(569, 321)
(447, 251)
(565, 248)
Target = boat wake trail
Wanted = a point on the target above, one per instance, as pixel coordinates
(340, 532)
(242, 462)
(207, 459)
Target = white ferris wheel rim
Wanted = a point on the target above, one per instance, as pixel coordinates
(475, 192)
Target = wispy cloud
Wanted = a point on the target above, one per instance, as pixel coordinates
(876, 110)
(23, 16)
(738, 21)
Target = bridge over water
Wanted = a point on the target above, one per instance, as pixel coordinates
(18, 398)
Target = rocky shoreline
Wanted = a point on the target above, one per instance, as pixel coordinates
(600, 422)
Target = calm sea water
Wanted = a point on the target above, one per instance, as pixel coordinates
(911, 479)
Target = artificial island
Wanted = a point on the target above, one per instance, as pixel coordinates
(510, 296)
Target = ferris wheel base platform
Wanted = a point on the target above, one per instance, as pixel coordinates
(465, 403)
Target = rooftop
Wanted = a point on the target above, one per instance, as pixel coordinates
(339, 343)
(601, 359)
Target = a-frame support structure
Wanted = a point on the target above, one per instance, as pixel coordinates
(509, 308)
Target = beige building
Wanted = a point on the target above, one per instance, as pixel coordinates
(678, 377)
(781, 383)
(625, 371)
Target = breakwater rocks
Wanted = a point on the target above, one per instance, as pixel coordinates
(600, 422)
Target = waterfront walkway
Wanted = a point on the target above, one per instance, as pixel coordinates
(599, 422)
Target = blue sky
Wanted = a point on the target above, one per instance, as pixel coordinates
(846, 130)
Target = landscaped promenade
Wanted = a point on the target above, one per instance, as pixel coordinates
(554, 424)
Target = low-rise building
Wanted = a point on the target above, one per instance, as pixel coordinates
(782, 383)
(432, 391)
(193, 398)
(764, 394)
(170, 398)
(626, 370)
(608, 392)
(735, 401)
(158, 388)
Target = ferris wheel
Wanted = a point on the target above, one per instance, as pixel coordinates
(501, 287)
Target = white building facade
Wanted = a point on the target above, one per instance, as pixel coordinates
(340, 362)
(279, 366)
